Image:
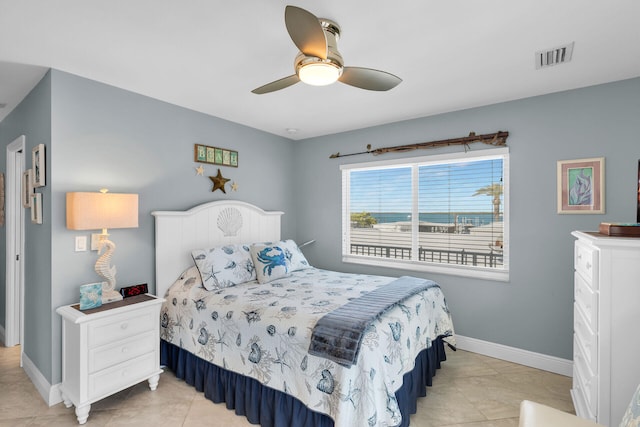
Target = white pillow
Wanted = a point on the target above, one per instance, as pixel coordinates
(270, 261)
(294, 254)
(224, 266)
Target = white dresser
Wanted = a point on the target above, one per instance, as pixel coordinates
(606, 312)
(108, 349)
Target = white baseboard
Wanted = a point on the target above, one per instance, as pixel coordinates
(50, 394)
(516, 355)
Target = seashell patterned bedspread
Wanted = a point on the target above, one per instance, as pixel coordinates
(264, 330)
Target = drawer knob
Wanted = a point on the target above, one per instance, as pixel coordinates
(579, 256)
(124, 326)
(588, 265)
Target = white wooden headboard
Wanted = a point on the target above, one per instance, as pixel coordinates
(205, 226)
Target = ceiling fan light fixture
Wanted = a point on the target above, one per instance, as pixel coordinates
(318, 62)
(319, 73)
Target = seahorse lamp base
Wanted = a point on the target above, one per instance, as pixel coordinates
(108, 272)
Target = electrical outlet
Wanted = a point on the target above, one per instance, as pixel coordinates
(81, 243)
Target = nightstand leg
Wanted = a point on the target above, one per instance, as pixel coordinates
(153, 382)
(66, 400)
(82, 412)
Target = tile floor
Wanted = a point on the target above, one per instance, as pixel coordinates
(470, 390)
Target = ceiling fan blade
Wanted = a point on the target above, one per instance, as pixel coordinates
(367, 78)
(306, 32)
(277, 85)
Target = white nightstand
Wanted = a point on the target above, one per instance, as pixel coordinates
(107, 349)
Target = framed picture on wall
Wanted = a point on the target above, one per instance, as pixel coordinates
(36, 208)
(27, 188)
(38, 165)
(581, 186)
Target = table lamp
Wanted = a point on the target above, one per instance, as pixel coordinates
(103, 210)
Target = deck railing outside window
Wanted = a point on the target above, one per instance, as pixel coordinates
(447, 210)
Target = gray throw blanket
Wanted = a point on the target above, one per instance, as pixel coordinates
(338, 334)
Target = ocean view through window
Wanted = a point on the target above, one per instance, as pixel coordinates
(444, 213)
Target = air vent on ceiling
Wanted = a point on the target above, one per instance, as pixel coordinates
(555, 56)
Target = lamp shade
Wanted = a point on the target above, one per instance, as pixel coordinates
(93, 211)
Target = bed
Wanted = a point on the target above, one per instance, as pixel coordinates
(251, 335)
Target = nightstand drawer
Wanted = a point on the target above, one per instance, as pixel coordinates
(121, 376)
(122, 326)
(112, 354)
(585, 262)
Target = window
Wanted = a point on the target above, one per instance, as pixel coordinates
(445, 214)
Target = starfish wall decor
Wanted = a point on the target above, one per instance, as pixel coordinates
(219, 182)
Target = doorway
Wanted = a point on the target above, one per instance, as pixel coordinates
(15, 220)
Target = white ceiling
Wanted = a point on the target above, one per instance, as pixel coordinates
(207, 55)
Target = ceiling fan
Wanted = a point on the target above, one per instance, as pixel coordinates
(319, 63)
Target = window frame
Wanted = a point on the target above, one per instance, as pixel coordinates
(488, 273)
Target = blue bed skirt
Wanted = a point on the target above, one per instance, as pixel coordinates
(272, 408)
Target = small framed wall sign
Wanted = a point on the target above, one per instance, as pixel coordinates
(38, 165)
(581, 186)
(215, 155)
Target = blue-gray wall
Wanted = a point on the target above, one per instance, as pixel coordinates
(100, 136)
(32, 118)
(534, 310)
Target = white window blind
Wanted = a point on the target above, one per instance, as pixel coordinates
(444, 213)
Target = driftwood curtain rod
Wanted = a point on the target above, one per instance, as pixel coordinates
(498, 139)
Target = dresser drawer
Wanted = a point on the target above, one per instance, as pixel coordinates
(585, 339)
(580, 401)
(125, 325)
(114, 353)
(585, 262)
(120, 376)
(586, 300)
(585, 380)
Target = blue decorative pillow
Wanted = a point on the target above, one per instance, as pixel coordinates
(224, 266)
(271, 261)
(294, 255)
